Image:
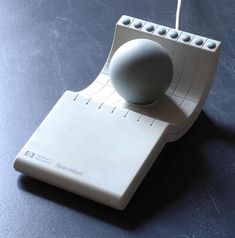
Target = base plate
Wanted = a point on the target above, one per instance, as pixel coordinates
(86, 149)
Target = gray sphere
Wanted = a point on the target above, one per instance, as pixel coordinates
(141, 70)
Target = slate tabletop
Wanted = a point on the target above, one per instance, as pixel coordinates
(49, 46)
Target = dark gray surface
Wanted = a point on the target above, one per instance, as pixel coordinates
(49, 46)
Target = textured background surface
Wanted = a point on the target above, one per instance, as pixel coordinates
(48, 46)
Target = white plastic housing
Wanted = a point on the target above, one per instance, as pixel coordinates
(97, 145)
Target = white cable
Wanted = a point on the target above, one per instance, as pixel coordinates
(177, 17)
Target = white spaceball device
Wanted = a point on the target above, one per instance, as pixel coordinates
(141, 71)
(100, 142)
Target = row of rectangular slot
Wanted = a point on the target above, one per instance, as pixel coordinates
(101, 90)
(124, 113)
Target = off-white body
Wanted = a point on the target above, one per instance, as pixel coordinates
(97, 145)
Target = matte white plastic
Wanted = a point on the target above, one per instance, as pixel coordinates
(97, 145)
(141, 71)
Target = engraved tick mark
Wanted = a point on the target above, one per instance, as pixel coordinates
(76, 97)
(152, 122)
(101, 105)
(88, 101)
(126, 114)
(113, 110)
(139, 118)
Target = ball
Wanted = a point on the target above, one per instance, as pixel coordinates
(140, 71)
